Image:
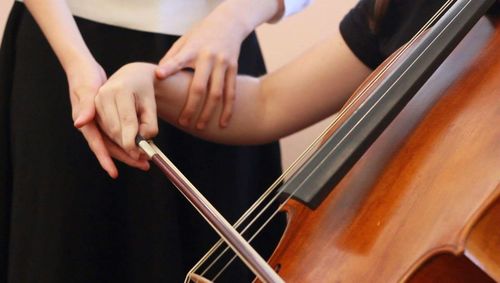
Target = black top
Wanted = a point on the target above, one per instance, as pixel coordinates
(402, 20)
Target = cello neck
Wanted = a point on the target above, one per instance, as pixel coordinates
(329, 164)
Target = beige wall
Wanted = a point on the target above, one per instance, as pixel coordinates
(289, 38)
(282, 42)
(4, 11)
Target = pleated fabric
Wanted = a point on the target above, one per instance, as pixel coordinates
(62, 219)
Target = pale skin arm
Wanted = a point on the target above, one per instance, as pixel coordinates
(84, 75)
(212, 49)
(211, 54)
(301, 93)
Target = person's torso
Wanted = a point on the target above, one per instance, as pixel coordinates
(160, 16)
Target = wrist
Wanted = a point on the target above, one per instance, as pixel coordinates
(75, 63)
(170, 95)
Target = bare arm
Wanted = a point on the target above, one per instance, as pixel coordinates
(85, 76)
(309, 89)
(212, 49)
(58, 26)
(301, 93)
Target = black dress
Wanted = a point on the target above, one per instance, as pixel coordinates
(62, 219)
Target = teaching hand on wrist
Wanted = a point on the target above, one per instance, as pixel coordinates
(212, 50)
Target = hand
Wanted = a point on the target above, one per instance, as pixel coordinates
(84, 79)
(103, 148)
(126, 106)
(211, 49)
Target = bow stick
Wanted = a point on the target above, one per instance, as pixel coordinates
(239, 245)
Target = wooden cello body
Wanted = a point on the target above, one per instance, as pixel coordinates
(407, 186)
(423, 203)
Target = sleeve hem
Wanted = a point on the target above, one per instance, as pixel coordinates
(359, 38)
(294, 6)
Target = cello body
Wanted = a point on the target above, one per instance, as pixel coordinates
(423, 203)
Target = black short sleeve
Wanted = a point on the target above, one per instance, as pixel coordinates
(401, 20)
(356, 32)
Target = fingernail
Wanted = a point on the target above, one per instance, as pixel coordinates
(200, 126)
(113, 175)
(160, 72)
(77, 122)
(184, 122)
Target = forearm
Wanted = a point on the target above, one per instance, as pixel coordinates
(265, 109)
(308, 89)
(59, 27)
(250, 120)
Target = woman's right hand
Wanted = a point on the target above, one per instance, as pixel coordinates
(126, 107)
(85, 77)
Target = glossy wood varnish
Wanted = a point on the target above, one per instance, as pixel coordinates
(423, 201)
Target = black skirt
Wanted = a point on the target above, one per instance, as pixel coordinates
(62, 219)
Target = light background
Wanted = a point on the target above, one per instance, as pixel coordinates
(280, 43)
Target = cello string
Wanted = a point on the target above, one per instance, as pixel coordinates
(383, 95)
(264, 224)
(340, 115)
(280, 179)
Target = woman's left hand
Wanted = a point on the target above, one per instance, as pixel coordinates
(212, 49)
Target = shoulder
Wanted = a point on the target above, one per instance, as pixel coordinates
(373, 35)
(357, 31)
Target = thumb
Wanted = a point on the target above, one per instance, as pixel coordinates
(171, 65)
(168, 68)
(86, 111)
(148, 127)
(148, 130)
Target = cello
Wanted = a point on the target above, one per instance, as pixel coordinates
(408, 191)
